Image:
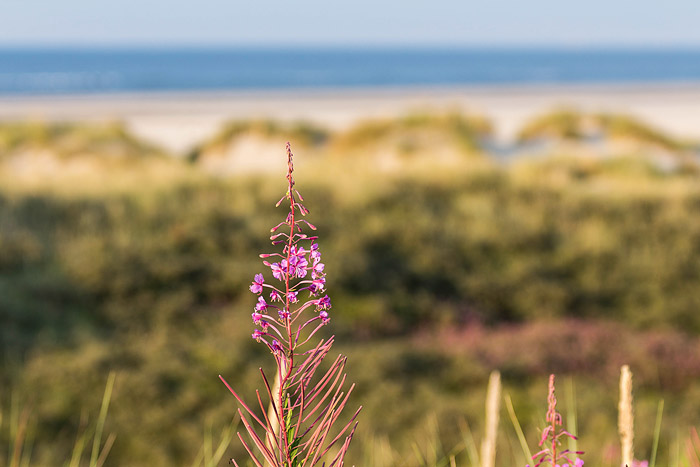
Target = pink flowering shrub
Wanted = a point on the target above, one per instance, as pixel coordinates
(552, 436)
(297, 430)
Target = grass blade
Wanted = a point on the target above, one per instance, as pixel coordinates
(106, 398)
(78, 449)
(571, 423)
(518, 429)
(675, 457)
(657, 432)
(105, 450)
(19, 443)
(419, 457)
(469, 443)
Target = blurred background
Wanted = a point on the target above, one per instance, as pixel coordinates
(497, 186)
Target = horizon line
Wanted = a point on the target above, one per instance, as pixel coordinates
(612, 47)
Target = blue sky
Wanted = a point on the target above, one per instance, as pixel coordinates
(358, 22)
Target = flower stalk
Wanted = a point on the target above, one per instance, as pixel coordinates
(552, 437)
(297, 426)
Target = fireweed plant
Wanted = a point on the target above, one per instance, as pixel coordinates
(298, 427)
(552, 435)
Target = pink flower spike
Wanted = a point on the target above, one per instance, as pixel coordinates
(326, 395)
(551, 437)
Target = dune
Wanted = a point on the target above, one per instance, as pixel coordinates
(178, 122)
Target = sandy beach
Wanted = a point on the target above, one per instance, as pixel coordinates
(177, 121)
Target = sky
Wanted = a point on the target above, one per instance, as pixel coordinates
(554, 23)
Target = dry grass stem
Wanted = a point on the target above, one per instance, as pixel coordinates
(626, 417)
(493, 398)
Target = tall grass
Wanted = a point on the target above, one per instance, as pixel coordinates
(99, 451)
(210, 454)
(20, 434)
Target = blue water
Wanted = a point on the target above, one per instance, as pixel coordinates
(85, 71)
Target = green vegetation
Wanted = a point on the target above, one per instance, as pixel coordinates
(561, 124)
(414, 134)
(419, 133)
(622, 126)
(437, 277)
(300, 134)
(17, 435)
(66, 140)
(568, 124)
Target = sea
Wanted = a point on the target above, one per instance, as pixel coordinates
(63, 71)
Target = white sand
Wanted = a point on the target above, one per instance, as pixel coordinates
(179, 121)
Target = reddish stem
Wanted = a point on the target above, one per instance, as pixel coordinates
(289, 358)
